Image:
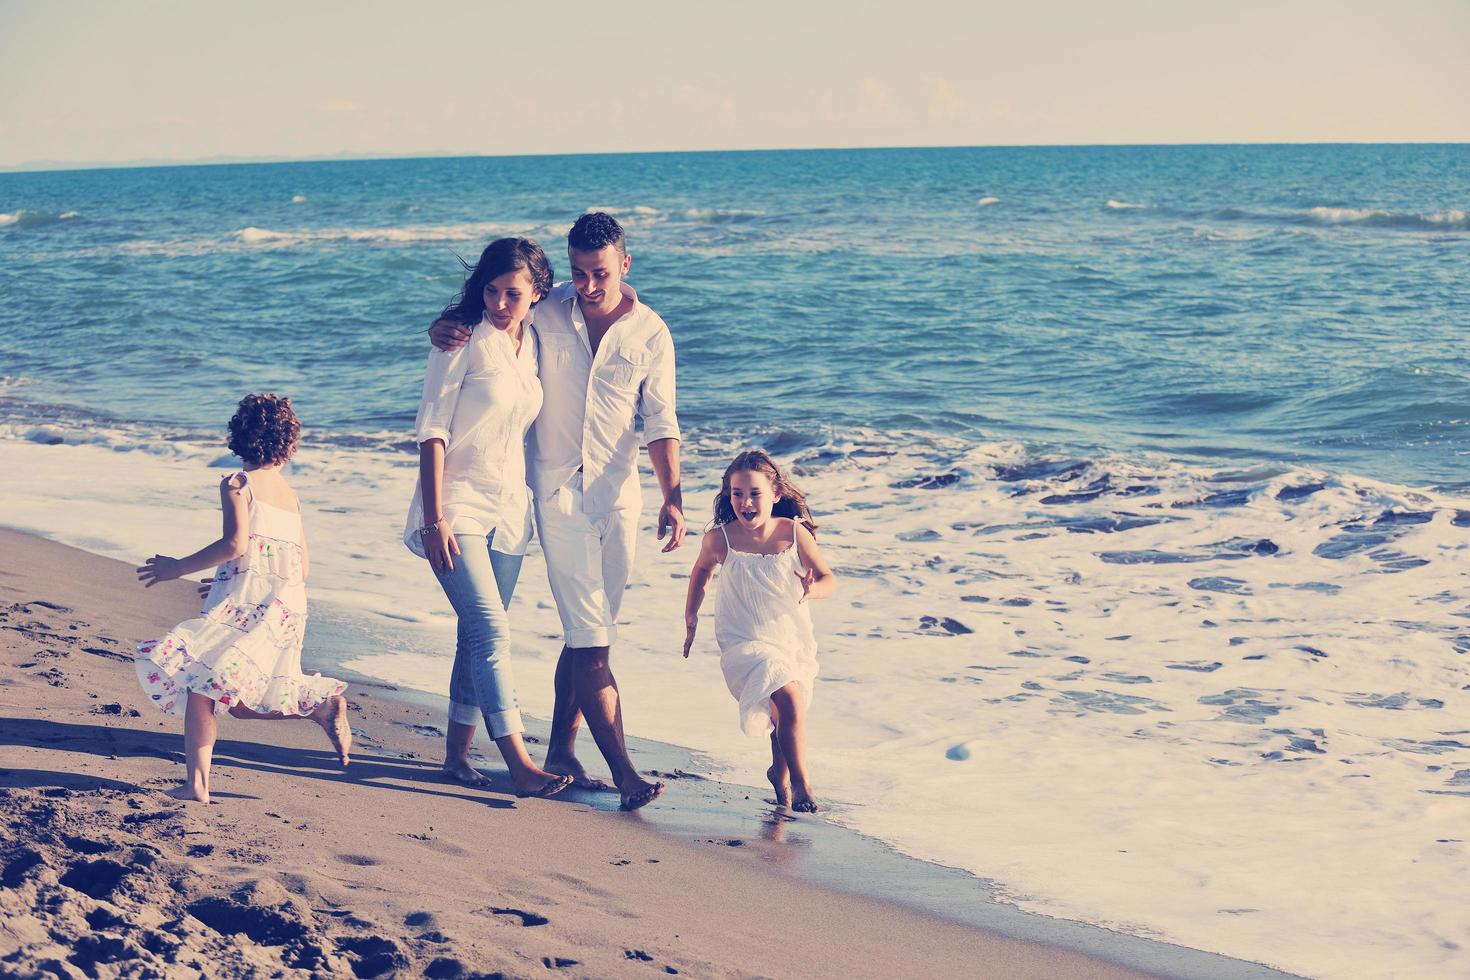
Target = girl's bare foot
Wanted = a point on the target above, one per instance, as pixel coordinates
(189, 793)
(461, 771)
(569, 766)
(331, 714)
(802, 801)
(781, 784)
(639, 792)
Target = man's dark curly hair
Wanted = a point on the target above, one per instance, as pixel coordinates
(595, 231)
(264, 430)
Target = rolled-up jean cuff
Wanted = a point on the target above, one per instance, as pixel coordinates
(592, 636)
(464, 714)
(503, 723)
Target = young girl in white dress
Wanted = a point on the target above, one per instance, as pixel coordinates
(243, 653)
(763, 536)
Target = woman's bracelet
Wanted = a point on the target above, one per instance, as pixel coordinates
(431, 527)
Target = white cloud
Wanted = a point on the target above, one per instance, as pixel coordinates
(944, 101)
(875, 97)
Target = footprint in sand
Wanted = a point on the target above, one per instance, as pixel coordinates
(98, 879)
(444, 968)
(360, 860)
(107, 654)
(372, 956)
(265, 926)
(526, 918)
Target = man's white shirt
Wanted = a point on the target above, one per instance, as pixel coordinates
(592, 402)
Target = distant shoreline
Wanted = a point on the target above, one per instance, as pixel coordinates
(55, 166)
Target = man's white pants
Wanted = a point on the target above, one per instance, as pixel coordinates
(588, 560)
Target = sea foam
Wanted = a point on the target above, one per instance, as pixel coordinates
(1447, 220)
(467, 231)
(21, 220)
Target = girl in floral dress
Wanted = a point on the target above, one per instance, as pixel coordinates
(243, 654)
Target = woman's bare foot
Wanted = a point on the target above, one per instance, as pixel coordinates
(781, 783)
(569, 766)
(188, 792)
(461, 771)
(639, 792)
(331, 714)
(802, 801)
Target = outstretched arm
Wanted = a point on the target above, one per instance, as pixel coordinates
(231, 544)
(699, 576)
(817, 580)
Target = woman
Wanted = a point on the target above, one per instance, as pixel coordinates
(471, 512)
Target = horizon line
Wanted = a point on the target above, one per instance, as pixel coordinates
(224, 160)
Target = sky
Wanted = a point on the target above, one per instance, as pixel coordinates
(84, 82)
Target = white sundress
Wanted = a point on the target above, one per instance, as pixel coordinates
(245, 648)
(764, 631)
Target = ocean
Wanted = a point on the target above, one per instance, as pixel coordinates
(1146, 471)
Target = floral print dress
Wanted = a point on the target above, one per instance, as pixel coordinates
(245, 648)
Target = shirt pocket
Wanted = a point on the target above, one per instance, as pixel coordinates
(556, 350)
(625, 368)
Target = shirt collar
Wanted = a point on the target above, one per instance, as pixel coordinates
(628, 291)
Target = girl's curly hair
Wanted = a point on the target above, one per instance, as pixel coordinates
(792, 503)
(264, 431)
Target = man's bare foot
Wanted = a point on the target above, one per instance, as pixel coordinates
(639, 792)
(541, 784)
(802, 801)
(331, 714)
(569, 766)
(461, 771)
(188, 792)
(781, 783)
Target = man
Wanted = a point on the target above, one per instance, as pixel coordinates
(605, 359)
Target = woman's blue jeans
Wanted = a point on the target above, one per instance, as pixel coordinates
(479, 589)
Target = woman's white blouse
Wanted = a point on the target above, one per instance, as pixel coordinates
(480, 399)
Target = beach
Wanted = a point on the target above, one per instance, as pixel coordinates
(1142, 471)
(381, 868)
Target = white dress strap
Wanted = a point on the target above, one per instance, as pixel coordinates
(244, 484)
(727, 537)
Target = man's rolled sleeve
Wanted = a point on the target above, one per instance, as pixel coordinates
(442, 382)
(656, 400)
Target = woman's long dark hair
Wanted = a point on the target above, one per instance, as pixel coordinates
(792, 503)
(500, 256)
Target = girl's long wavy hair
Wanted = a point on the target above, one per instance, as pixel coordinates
(792, 503)
(500, 256)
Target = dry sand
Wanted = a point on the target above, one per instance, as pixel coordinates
(301, 867)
